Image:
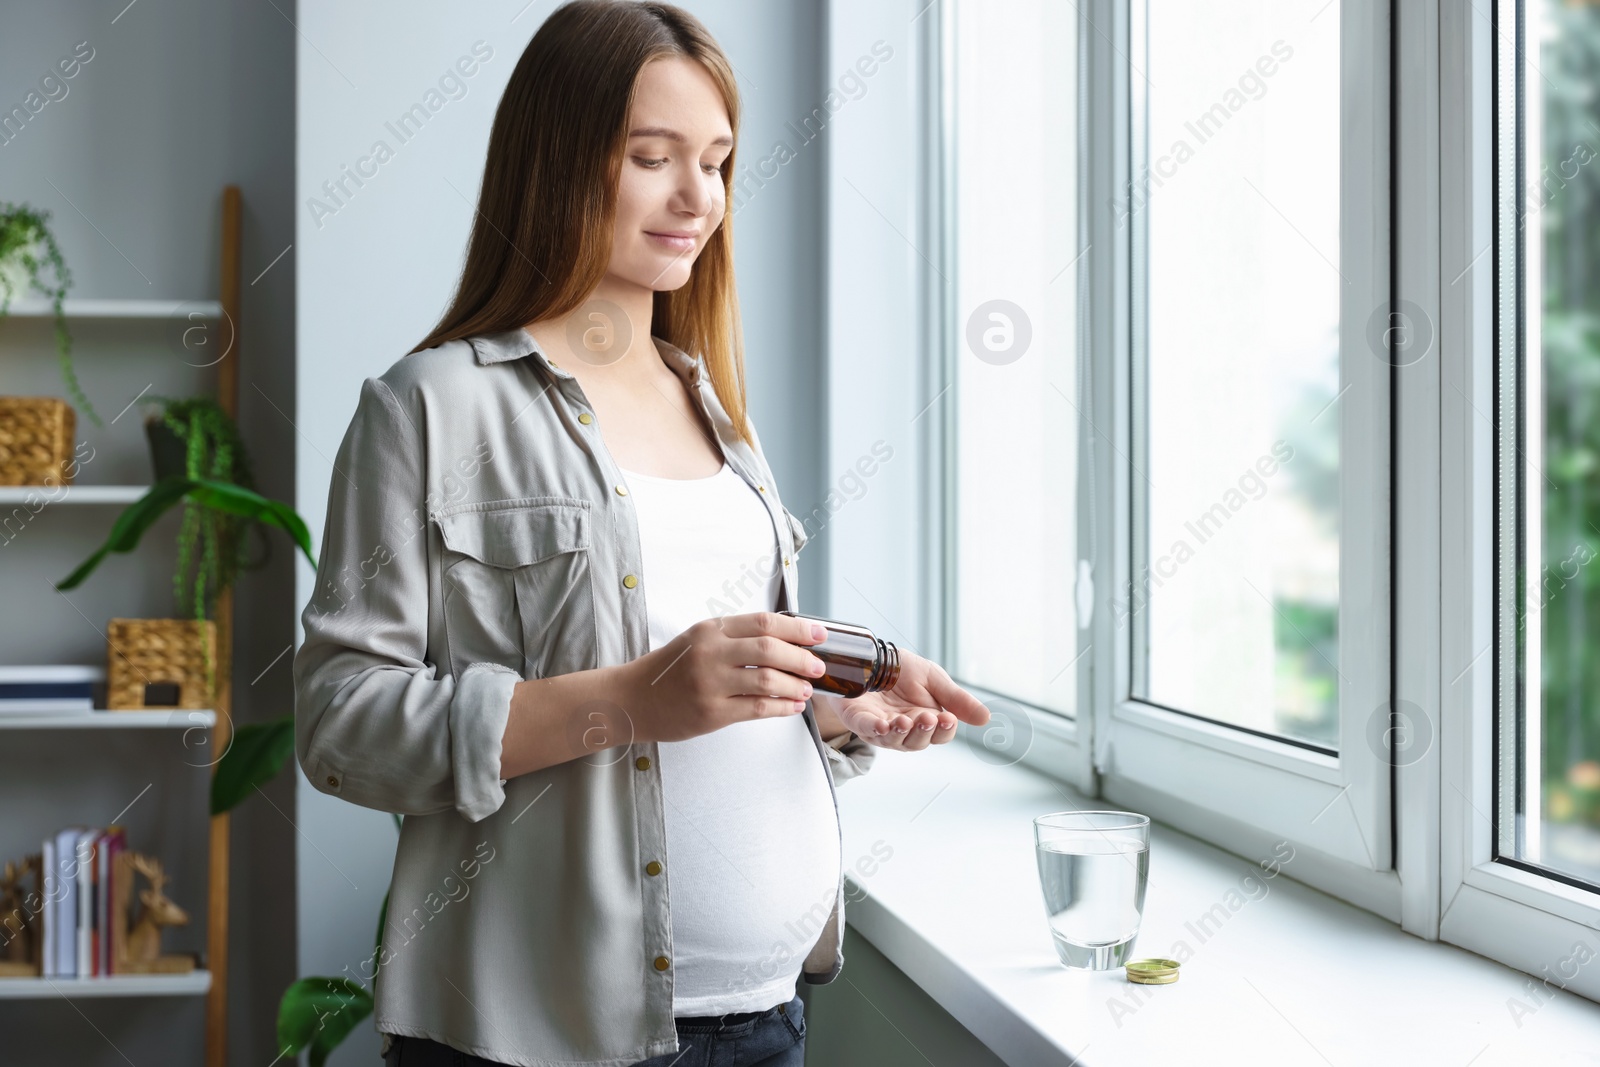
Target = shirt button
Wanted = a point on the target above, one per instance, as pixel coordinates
(643, 763)
(585, 418)
(652, 867)
(761, 489)
(785, 561)
(630, 580)
(333, 781)
(662, 963)
(622, 490)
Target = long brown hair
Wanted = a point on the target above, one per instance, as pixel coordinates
(541, 237)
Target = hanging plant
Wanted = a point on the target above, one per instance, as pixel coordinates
(214, 451)
(31, 259)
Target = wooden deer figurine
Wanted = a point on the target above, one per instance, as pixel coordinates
(139, 950)
(19, 920)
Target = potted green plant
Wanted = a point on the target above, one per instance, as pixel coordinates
(30, 259)
(216, 488)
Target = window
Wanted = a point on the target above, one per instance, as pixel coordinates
(1016, 394)
(1519, 838)
(1549, 446)
(1314, 406)
(1243, 366)
(1234, 601)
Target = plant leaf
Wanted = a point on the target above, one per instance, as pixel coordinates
(319, 1013)
(383, 917)
(131, 525)
(257, 754)
(222, 496)
(237, 500)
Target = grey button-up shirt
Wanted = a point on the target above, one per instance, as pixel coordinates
(476, 536)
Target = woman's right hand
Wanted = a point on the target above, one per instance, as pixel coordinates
(721, 671)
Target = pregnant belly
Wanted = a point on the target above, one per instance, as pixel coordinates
(753, 855)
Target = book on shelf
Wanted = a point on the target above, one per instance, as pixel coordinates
(78, 888)
(47, 689)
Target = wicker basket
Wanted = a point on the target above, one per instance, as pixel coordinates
(36, 440)
(143, 652)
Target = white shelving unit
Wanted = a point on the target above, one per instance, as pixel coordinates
(146, 315)
(36, 308)
(195, 983)
(100, 719)
(73, 494)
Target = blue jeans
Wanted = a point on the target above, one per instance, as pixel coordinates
(772, 1038)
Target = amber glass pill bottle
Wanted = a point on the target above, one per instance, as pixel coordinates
(856, 661)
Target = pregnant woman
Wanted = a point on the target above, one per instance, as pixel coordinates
(546, 620)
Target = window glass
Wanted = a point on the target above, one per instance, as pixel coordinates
(1234, 602)
(1550, 811)
(1016, 395)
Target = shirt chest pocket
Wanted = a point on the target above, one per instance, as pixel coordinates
(518, 586)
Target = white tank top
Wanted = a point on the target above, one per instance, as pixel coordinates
(752, 862)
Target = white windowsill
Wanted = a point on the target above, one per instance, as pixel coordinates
(1291, 977)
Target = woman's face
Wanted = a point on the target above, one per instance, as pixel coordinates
(670, 197)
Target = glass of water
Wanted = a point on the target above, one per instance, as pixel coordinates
(1093, 866)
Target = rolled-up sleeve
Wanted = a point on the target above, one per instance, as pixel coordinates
(849, 757)
(372, 722)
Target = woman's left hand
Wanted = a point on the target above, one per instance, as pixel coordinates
(921, 710)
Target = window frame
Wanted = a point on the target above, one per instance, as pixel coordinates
(1055, 743)
(1509, 913)
(1200, 775)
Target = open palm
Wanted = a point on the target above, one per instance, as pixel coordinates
(922, 709)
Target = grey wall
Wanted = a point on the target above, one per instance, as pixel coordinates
(180, 98)
(374, 275)
(873, 1014)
